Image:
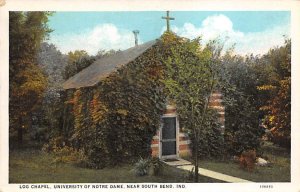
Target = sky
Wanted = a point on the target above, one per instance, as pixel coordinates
(248, 31)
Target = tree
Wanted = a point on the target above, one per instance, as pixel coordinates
(191, 78)
(27, 81)
(52, 62)
(103, 53)
(259, 97)
(242, 102)
(80, 59)
(77, 61)
(278, 88)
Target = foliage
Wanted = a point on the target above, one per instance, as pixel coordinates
(242, 101)
(104, 53)
(278, 107)
(49, 117)
(53, 62)
(77, 61)
(27, 81)
(141, 168)
(191, 78)
(68, 155)
(259, 98)
(211, 139)
(247, 160)
(63, 153)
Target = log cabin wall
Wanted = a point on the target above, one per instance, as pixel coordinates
(184, 148)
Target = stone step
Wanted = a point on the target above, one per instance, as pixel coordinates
(176, 162)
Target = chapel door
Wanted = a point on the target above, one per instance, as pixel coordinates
(168, 137)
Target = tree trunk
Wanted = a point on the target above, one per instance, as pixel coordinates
(20, 132)
(196, 176)
(196, 160)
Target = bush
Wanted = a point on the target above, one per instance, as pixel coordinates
(64, 153)
(247, 160)
(141, 167)
(54, 143)
(242, 102)
(242, 131)
(68, 154)
(97, 158)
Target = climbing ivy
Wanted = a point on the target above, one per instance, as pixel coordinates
(116, 120)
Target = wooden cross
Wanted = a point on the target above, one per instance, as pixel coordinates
(167, 18)
(136, 32)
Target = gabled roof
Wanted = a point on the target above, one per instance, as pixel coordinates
(101, 68)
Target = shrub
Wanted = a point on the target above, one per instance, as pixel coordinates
(64, 153)
(141, 167)
(242, 130)
(97, 158)
(242, 102)
(247, 160)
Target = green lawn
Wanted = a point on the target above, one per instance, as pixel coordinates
(278, 171)
(32, 166)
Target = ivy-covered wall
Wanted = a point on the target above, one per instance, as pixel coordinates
(115, 121)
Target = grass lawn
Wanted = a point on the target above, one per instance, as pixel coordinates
(32, 166)
(278, 171)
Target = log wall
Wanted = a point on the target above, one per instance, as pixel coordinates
(184, 148)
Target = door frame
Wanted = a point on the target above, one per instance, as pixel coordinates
(177, 137)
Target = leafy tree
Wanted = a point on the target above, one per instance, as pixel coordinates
(77, 61)
(104, 53)
(76, 55)
(191, 77)
(242, 101)
(278, 89)
(52, 62)
(27, 81)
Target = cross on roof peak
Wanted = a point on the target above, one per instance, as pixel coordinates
(168, 18)
(136, 32)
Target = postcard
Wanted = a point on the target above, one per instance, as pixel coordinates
(149, 96)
